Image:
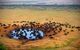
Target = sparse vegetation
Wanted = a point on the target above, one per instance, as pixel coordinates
(48, 48)
(3, 47)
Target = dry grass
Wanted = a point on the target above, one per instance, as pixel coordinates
(7, 16)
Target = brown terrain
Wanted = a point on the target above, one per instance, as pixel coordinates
(55, 34)
(62, 28)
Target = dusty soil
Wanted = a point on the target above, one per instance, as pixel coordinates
(62, 40)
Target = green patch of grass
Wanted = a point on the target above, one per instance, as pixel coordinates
(2, 47)
(69, 41)
(57, 47)
(52, 48)
(48, 48)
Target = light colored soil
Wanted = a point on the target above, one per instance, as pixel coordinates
(7, 16)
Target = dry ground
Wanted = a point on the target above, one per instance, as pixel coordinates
(65, 42)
